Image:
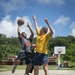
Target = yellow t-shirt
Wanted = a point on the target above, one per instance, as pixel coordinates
(41, 42)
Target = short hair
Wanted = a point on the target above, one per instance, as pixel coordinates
(23, 33)
(45, 29)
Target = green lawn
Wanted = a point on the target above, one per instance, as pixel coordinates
(22, 67)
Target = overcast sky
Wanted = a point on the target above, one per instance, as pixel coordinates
(60, 13)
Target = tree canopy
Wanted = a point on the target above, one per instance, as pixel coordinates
(12, 46)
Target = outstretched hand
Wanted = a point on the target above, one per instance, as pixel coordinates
(28, 25)
(46, 20)
(34, 17)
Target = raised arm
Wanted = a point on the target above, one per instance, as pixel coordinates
(35, 22)
(18, 31)
(50, 28)
(32, 34)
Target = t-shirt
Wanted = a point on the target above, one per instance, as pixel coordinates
(41, 42)
(25, 44)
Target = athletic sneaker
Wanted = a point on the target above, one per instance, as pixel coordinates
(13, 70)
(25, 74)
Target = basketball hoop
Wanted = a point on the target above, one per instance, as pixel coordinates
(59, 50)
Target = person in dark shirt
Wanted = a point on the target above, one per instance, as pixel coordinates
(25, 50)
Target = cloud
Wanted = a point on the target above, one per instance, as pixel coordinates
(8, 6)
(62, 20)
(12, 5)
(73, 32)
(72, 27)
(9, 27)
(56, 2)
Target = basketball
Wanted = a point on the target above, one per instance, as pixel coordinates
(20, 21)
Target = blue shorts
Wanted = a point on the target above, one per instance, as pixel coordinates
(40, 59)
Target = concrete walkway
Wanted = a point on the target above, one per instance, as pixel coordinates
(52, 72)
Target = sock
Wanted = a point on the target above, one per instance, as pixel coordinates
(25, 74)
(32, 69)
(15, 66)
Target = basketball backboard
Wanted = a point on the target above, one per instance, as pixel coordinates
(59, 49)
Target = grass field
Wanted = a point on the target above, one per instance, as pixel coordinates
(22, 67)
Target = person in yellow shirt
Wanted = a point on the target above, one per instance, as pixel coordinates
(41, 57)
